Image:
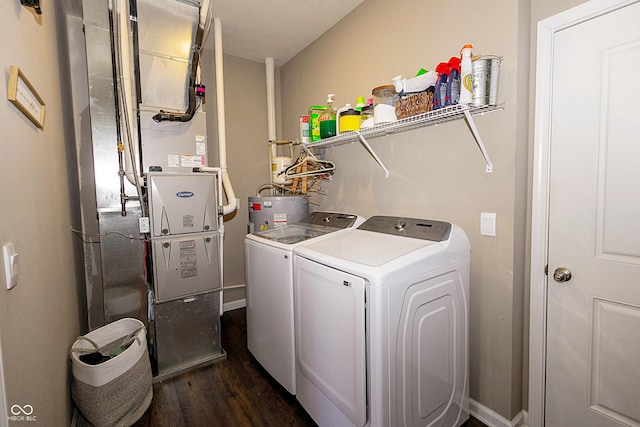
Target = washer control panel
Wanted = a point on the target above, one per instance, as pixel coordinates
(425, 229)
(330, 219)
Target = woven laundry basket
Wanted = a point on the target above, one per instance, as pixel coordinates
(118, 391)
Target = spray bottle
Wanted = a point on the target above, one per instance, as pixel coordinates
(327, 119)
(440, 93)
(453, 84)
(466, 76)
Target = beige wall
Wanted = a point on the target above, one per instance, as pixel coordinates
(437, 172)
(40, 318)
(247, 150)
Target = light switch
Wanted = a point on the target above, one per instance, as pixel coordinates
(10, 261)
(488, 223)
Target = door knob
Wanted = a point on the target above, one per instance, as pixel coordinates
(562, 274)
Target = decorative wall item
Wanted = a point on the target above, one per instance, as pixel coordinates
(35, 4)
(24, 96)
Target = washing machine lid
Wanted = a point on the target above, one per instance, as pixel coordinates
(365, 248)
(381, 245)
(294, 233)
(314, 225)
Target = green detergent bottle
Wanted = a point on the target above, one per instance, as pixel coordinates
(327, 119)
(314, 125)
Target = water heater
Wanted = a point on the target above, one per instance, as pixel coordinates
(274, 211)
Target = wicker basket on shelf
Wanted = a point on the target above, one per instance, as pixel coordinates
(411, 105)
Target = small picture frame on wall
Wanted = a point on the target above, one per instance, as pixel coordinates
(24, 96)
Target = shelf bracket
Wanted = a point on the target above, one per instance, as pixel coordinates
(476, 135)
(373, 153)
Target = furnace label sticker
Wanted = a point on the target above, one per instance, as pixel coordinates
(191, 161)
(188, 221)
(201, 145)
(173, 161)
(188, 260)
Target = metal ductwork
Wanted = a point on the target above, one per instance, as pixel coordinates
(138, 62)
(147, 128)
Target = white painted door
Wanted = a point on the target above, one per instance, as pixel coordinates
(593, 319)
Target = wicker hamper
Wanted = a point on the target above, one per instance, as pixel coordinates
(117, 391)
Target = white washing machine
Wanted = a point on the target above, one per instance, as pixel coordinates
(382, 325)
(269, 276)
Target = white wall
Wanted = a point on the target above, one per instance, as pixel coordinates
(40, 318)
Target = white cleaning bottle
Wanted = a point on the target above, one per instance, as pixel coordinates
(466, 76)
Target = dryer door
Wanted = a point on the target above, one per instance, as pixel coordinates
(330, 341)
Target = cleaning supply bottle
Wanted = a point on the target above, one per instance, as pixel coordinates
(440, 93)
(453, 84)
(327, 119)
(348, 119)
(466, 76)
(366, 116)
(314, 125)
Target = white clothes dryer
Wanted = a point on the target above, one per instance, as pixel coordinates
(381, 322)
(269, 277)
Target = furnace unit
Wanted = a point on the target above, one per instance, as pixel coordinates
(185, 246)
(152, 208)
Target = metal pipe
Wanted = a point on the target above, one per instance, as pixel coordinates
(195, 60)
(133, 13)
(116, 99)
(126, 100)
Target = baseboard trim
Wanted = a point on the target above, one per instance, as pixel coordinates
(233, 305)
(493, 419)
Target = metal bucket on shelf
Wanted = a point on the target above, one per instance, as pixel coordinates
(486, 70)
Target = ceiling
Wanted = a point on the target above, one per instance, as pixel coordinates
(279, 29)
(258, 29)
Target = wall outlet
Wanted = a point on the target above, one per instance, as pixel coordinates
(143, 225)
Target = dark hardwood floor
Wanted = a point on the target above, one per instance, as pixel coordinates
(231, 392)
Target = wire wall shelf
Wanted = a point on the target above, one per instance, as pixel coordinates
(430, 118)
